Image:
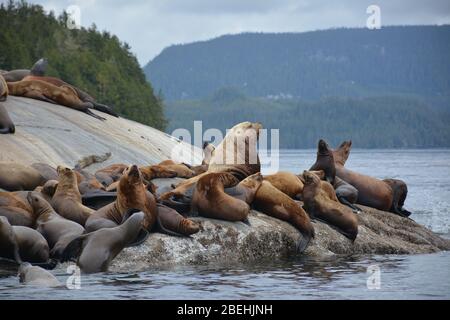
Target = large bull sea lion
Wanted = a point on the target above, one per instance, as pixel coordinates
(15, 176)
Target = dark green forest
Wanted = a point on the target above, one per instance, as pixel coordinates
(95, 61)
(371, 122)
(310, 65)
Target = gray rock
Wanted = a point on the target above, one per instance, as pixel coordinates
(269, 238)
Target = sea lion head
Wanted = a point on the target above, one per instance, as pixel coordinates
(245, 129)
(342, 153)
(37, 202)
(310, 178)
(254, 181)
(323, 148)
(64, 171)
(133, 174)
(39, 68)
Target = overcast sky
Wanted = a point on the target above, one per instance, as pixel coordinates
(149, 26)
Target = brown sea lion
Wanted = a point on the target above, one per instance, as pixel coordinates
(236, 154)
(157, 171)
(67, 198)
(287, 183)
(40, 90)
(15, 207)
(32, 245)
(94, 251)
(400, 190)
(345, 192)
(6, 124)
(170, 222)
(82, 95)
(372, 192)
(131, 194)
(320, 206)
(37, 276)
(57, 230)
(9, 249)
(275, 203)
(210, 199)
(15, 176)
(38, 69)
(48, 190)
(3, 89)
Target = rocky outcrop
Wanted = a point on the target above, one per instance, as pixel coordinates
(269, 238)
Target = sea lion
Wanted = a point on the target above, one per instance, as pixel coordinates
(3, 89)
(208, 150)
(38, 69)
(67, 198)
(40, 90)
(345, 192)
(182, 170)
(131, 194)
(236, 154)
(37, 276)
(400, 190)
(15, 207)
(47, 190)
(210, 200)
(46, 171)
(170, 222)
(82, 95)
(158, 171)
(32, 245)
(275, 203)
(287, 183)
(57, 230)
(15, 176)
(320, 206)
(9, 248)
(372, 192)
(95, 250)
(6, 124)
(110, 174)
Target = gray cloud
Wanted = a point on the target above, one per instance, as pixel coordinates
(150, 26)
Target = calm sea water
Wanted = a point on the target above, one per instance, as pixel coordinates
(427, 173)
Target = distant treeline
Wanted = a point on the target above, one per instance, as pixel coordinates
(97, 62)
(371, 122)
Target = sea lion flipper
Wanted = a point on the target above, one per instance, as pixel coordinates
(302, 243)
(49, 265)
(354, 208)
(104, 108)
(73, 249)
(89, 112)
(140, 239)
(159, 227)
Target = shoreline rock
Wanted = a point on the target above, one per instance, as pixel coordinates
(269, 238)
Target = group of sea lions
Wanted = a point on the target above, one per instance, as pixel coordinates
(32, 83)
(59, 214)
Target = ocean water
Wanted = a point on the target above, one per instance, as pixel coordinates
(426, 276)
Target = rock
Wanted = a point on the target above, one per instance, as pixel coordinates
(269, 238)
(57, 135)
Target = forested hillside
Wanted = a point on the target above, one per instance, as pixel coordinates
(311, 65)
(97, 62)
(371, 122)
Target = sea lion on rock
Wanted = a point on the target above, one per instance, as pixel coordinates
(210, 199)
(48, 190)
(38, 69)
(67, 198)
(46, 171)
(32, 245)
(15, 207)
(157, 171)
(111, 173)
(6, 124)
(379, 194)
(15, 176)
(320, 206)
(95, 251)
(287, 183)
(131, 194)
(57, 230)
(82, 95)
(345, 192)
(40, 90)
(170, 222)
(181, 169)
(236, 154)
(275, 203)
(37, 276)
(208, 150)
